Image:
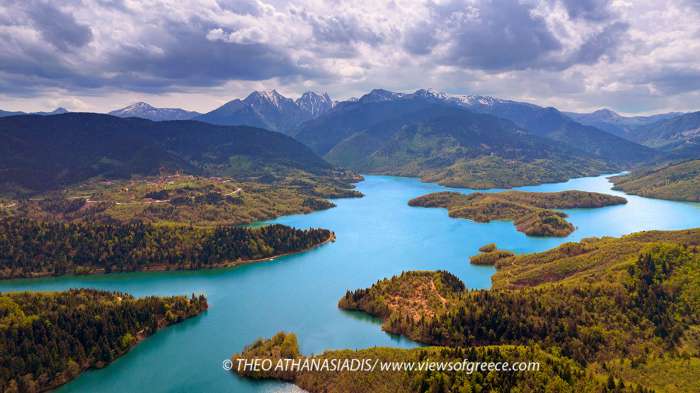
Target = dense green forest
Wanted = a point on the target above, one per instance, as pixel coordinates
(47, 339)
(530, 211)
(629, 306)
(555, 374)
(676, 181)
(30, 248)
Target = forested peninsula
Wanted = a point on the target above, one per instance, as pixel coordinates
(31, 248)
(531, 212)
(624, 307)
(49, 338)
(555, 373)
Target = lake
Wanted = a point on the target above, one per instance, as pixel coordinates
(377, 236)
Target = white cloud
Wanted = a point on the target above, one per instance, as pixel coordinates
(632, 55)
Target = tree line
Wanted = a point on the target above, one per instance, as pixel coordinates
(29, 247)
(644, 314)
(47, 339)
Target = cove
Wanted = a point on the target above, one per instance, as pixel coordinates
(377, 236)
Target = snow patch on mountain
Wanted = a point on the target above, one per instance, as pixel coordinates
(145, 111)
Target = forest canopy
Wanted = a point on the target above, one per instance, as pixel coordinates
(47, 339)
(32, 248)
(531, 212)
(627, 307)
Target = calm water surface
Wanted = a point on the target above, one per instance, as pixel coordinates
(377, 236)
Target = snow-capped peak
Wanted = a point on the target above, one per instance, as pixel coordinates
(136, 107)
(378, 95)
(271, 97)
(431, 93)
(470, 100)
(314, 103)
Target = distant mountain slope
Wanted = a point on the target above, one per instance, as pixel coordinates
(441, 143)
(9, 113)
(324, 133)
(40, 153)
(679, 181)
(544, 122)
(145, 111)
(614, 123)
(551, 123)
(57, 111)
(270, 110)
(680, 135)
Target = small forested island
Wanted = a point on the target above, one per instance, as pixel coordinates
(530, 211)
(677, 181)
(555, 374)
(489, 255)
(30, 248)
(623, 307)
(49, 338)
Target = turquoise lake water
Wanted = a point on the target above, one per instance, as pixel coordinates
(377, 236)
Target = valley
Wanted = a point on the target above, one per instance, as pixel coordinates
(358, 258)
(168, 201)
(454, 196)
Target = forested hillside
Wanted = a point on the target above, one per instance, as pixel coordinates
(675, 181)
(39, 153)
(47, 339)
(554, 373)
(185, 199)
(550, 123)
(31, 248)
(443, 144)
(626, 306)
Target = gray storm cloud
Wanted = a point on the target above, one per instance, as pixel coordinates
(525, 47)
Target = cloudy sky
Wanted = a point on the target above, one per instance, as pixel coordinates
(634, 56)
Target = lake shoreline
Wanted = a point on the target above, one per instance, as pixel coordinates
(165, 268)
(379, 236)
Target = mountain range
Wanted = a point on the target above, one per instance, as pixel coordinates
(39, 153)
(369, 111)
(614, 123)
(679, 135)
(270, 110)
(467, 140)
(411, 136)
(56, 111)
